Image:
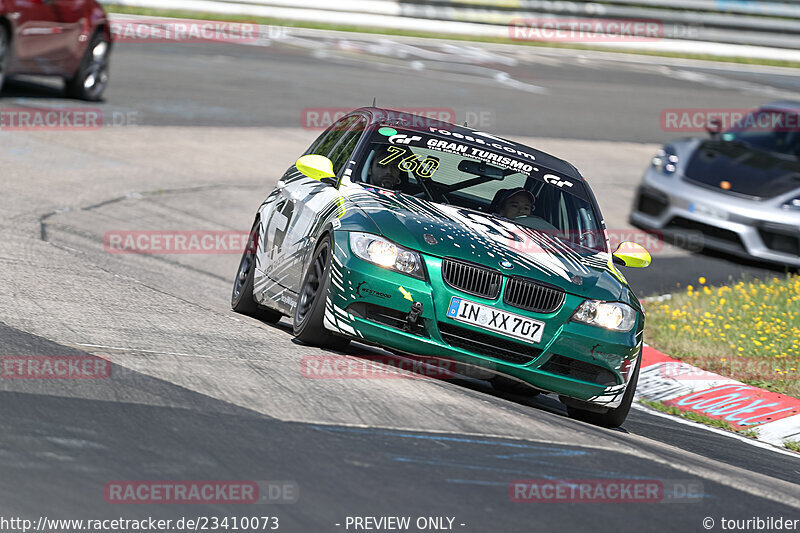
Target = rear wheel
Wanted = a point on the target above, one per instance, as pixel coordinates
(91, 78)
(310, 313)
(242, 300)
(612, 418)
(5, 52)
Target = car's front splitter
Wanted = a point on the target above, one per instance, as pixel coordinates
(372, 304)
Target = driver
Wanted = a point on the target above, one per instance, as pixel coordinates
(385, 176)
(514, 203)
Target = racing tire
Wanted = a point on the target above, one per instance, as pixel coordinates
(91, 79)
(5, 53)
(613, 418)
(310, 311)
(242, 300)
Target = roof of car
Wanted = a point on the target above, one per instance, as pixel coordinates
(783, 105)
(399, 118)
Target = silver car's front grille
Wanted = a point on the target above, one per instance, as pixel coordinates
(472, 279)
(532, 296)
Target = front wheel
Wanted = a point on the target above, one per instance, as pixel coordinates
(613, 418)
(91, 78)
(310, 313)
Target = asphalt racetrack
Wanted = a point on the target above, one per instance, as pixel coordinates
(196, 136)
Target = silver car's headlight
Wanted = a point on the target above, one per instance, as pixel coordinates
(793, 204)
(384, 253)
(665, 161)
(610, 315)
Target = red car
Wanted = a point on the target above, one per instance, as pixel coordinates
(66, 38)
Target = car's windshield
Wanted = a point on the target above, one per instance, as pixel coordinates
(504, 185)
(770, 130)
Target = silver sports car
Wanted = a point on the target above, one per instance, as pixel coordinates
(740, 189)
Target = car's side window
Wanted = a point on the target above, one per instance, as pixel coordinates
(341, 154)
(325, 143)
(312, 149)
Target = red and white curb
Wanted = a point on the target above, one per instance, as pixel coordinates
(775, 417)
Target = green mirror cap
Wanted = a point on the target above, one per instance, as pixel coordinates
(316, 167)
(633, 255)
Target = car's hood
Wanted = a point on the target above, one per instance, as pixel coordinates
(449, 231)
(736, 168)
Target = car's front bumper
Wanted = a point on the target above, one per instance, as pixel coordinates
(695, 217)
(575, 360)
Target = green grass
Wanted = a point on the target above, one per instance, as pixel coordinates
(130, 10)
(749, 331)
(793, 445)
(702, 419)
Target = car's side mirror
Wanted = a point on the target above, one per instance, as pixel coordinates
(316, 167)
(630, 254)
(714, 128)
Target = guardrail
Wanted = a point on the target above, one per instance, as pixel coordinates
(787, 8)
(773, 24)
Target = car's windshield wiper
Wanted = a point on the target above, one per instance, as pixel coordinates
(771, 151)
(751, 146)
(464, 184)
(739, 142)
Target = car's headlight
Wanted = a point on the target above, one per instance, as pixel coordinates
(793, 204)
(610, 315)
(665, 161)
(384, 253)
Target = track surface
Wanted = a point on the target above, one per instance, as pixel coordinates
(197, 392)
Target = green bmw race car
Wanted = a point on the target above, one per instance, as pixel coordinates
(431, 239)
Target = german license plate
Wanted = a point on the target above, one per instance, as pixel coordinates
(707, 210)
(495, 320)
